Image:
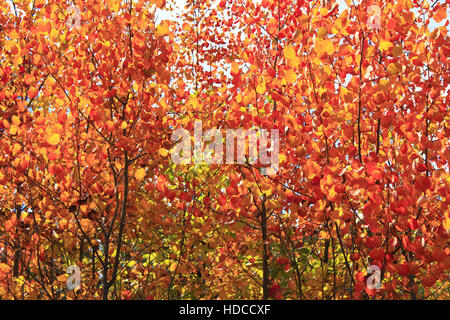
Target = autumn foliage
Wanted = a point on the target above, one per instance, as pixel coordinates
(86, 176)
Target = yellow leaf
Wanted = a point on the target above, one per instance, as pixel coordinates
(140, 173)
(234, 67)
(324, 47)
(322, 32)
(2, 292)
(16, 120)
(62, 278)
(289, 52)
(193, 102)
(163, 152)
(53, 139)
(323, 11)
(393, 69)
(162, 29)
(16, 148)
(266, 188)
(293, 63)
(173, 267)
(54, 34)
(13, 130)
(446, 224)
(290, 76)
(385, 45)
(311, 169)
(261, 88)
(124, 125)
(115, 6)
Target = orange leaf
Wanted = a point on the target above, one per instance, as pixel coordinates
(53, 139)
(440, 14)
(140, 173)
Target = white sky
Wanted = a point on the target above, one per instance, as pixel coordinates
(179, 5)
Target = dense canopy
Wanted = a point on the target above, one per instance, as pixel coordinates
(91, 92)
